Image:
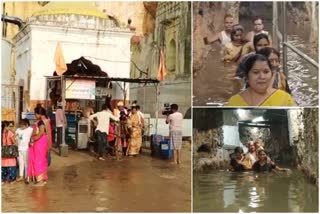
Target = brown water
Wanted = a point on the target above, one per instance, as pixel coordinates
(213, 85)
(222, 191)
(302, 77)
(80, 183)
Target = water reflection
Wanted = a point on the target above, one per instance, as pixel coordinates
(221, 191)
(302, 77)
(40, 197)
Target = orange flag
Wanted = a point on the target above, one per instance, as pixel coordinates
(162, 68)
(61, 66)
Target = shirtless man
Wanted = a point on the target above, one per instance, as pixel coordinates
(257, 29)
(224, 36)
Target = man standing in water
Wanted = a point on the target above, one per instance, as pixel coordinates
(175, 120)
(224, 36)
(258, 28)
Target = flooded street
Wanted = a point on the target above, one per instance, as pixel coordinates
(80, 183)
(222, 191)
(213, 84)
(302, 76)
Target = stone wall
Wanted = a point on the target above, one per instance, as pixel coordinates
(307, 146)
(207, 150)
(173, 34)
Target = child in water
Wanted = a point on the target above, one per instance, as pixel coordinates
(236, 48)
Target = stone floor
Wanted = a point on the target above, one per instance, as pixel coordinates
(80, 183)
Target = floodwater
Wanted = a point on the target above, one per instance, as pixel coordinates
(80, 183)
(213, 84)
(302, 77)
(223, 191)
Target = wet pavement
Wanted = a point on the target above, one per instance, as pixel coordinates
(80, 183)
(223, 191)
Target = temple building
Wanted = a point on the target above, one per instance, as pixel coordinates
(82, 31)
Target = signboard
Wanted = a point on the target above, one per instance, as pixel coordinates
(80, 89)
(103, 91)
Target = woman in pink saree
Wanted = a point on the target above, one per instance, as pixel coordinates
(38, 151)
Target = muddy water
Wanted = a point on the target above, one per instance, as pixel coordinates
(302, 77)
(213, 85)
(222, 191)
(141, 184)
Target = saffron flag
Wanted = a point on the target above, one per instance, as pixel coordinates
(162, 68)
(61, 66)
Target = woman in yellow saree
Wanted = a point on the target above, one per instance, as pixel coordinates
(135, 127)
(260, 92)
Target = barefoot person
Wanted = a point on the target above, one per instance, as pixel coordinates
(175, 121)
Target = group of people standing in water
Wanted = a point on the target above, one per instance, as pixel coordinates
(256, 159)
(258, 65)
(34, 144)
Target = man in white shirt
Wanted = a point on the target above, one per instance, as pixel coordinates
(175, 121)
(102, 129)
(23, 135)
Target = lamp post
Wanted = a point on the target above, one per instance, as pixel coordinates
(63, 150)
